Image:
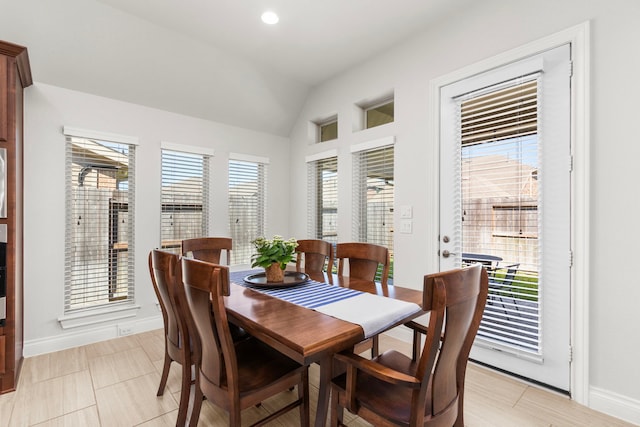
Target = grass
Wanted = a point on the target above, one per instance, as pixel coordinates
(524, 285)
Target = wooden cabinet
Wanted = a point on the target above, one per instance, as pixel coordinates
(15, 75)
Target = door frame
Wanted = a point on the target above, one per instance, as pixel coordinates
(579, 38)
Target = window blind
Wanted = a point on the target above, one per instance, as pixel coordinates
(500, 217)
(322, 200)
(373, 196)
(185, 198)
(99, 237)
(247, 204)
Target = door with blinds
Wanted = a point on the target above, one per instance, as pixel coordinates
(505, 168)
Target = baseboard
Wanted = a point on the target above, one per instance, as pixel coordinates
(614, 404)
(66, 340)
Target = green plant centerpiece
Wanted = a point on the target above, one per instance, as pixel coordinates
(273, 255)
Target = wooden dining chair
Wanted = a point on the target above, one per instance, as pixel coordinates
(396, 390)
(208, 249)
(364, 260)
(314, 256)
(164, 268)
(235, 375)
(211, 249)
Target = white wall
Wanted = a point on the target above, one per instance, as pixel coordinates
(484, 30)
(489, 28)
(47, 110)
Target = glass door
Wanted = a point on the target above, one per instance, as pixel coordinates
(505, 203)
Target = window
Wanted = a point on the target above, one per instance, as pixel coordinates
(323, 199)
(185, 197)
(379, 114)
(99, 239)
(328, 130)
(247, 185)
(499, 150)
(373, 194)
(499, 171)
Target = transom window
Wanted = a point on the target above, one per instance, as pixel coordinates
(328, 130)
(379, 114)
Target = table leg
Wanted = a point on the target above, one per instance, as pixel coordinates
(326, 370)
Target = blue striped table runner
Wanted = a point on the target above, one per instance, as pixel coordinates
(310, 294)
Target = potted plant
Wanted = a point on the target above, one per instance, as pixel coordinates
(273, 255)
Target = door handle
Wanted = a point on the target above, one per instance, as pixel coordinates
(447, 254)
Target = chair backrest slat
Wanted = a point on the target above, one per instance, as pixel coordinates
(456, 299)
(363, 259)
(208, 249)
(163, 266)
(316, 254)
(205, 286)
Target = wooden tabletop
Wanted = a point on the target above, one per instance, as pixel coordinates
(303, 334)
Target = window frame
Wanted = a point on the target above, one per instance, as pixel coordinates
(323, 124)
(360, 224)
(369, 107)
(316, 209)
(204, 155)
(242, 246)
(117, 306)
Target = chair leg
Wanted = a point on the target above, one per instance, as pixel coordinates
(375, 347)
(197, 397)
(234, 416)
(185, 391)
(165, 373)
(303, 393)
(337, 411)
(460, 420)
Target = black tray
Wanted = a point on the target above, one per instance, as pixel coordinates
(291, 278)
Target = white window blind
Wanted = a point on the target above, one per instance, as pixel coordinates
(373, 196)
(99, 238)
(500, 217)
(247, 204)
(185, 197)
(322, 200)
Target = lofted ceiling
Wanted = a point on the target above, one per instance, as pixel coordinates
(212, 59)
(314, 40)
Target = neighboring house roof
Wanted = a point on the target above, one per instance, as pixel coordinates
(497, 176)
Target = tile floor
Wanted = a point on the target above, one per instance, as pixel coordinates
(114, 383)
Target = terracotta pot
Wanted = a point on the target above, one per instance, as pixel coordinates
(274, 273)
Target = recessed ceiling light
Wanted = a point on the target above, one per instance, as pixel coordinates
(270, 18)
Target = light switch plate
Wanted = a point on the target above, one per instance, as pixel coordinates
(406, 226)
(406, 212)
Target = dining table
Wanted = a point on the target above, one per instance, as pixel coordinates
(308, 335)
